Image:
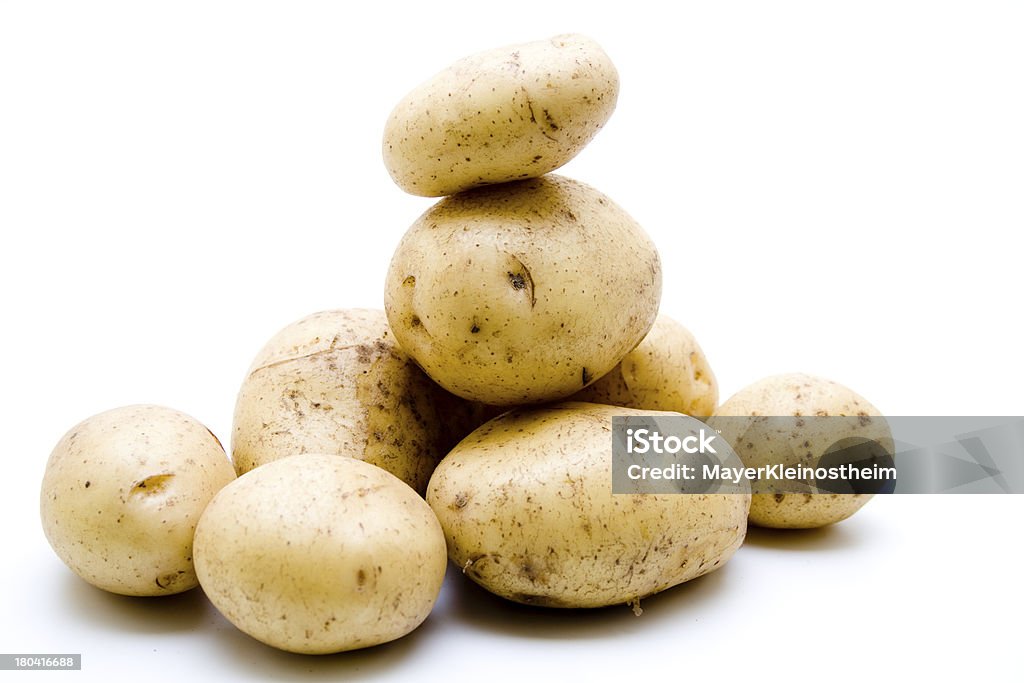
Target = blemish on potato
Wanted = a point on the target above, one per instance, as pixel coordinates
(550, 121)
(151, 486)
(537, 600)
(167, 581)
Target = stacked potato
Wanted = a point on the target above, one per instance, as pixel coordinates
(523, 288)
(521, 314)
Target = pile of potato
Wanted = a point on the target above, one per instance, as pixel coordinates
(473, 414)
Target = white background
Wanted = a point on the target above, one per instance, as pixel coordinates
(835, 188)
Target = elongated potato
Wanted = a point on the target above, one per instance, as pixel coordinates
(667, 371)
(337, 382)
(122, 493)
(522, 293)
(527, 509)
(506, 114)
(801, 442)
(318, 554)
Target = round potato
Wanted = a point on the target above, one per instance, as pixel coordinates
(802, 442)
(527, 509)
(522, 293)
(122, 493)
(667, 371)
(336, 382)
(318, 554)
(506, 114)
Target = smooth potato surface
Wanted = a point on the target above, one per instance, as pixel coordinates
(527, 508)
(318, 554)
(506, 114)
(799, 395)
(667, 371)
(522, 293)
(122, 493)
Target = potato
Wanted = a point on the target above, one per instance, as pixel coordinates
(122, 493)
(527, 509)
(788, 443)
(524, 292)
(317, 554)
(667, 371)
(336, 382)
(506, 114)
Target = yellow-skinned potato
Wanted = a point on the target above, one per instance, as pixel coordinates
(522, 293)
(506, 114)
(318, 554)
(667, 371)
(337, 382)
(122, 493)
(527, 509)
(799, 395)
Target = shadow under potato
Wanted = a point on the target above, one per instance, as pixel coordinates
(263, 662)
(163, 614)
(831, 537)
(470, 603)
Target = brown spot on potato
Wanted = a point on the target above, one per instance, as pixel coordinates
(520, 278)
(538, 600)
(363, 353)
(168, 580)
(151, 486)
(550, 121)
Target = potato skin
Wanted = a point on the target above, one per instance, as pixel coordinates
(337, 382)
(506, 114)
(527, 508)
(317, 554)
(522, 293)
(122, 493)
(667, 371)
(799, 395)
